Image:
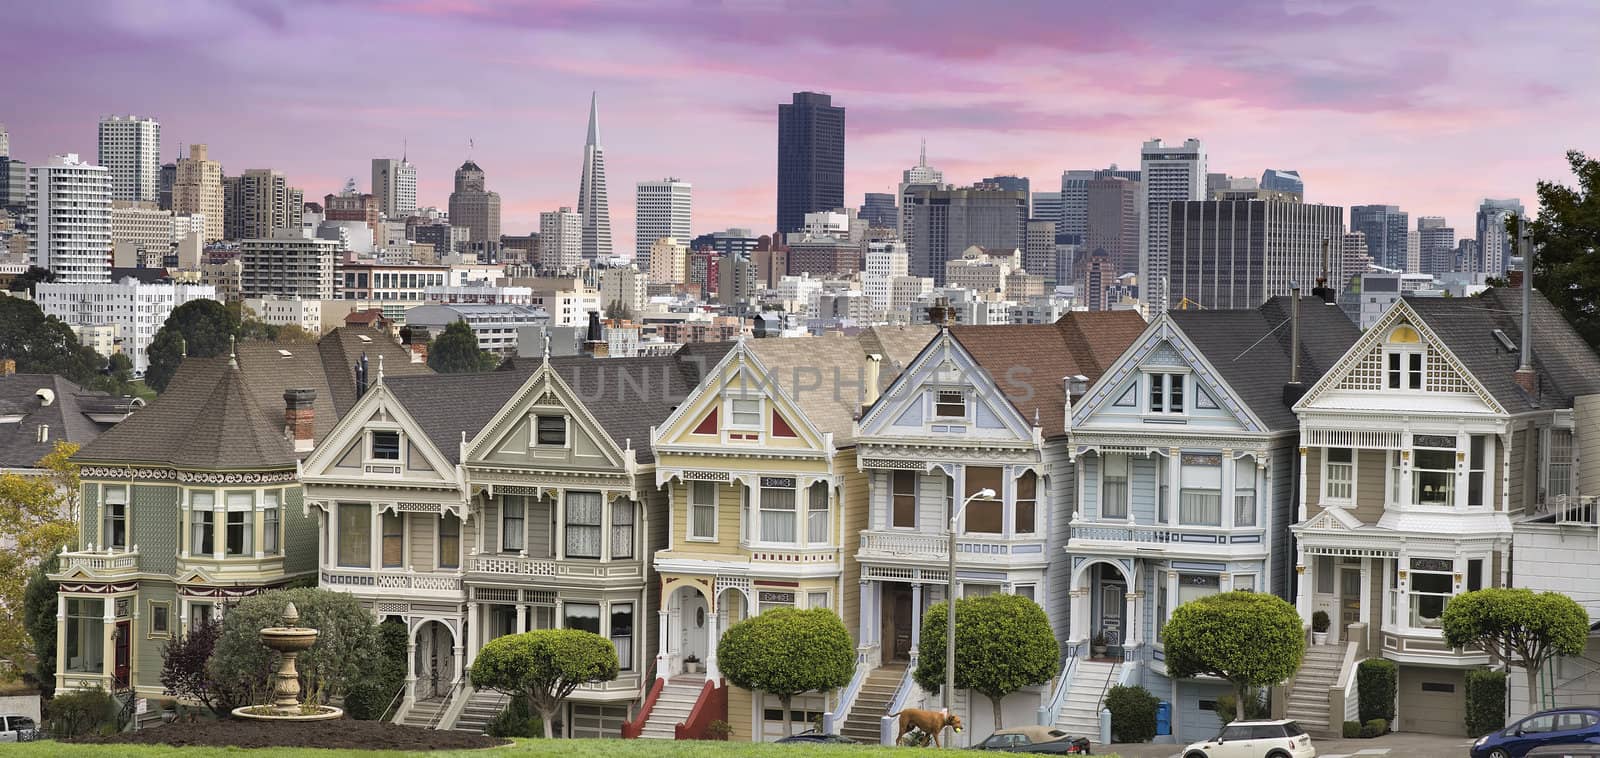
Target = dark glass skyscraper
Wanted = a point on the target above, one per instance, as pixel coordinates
(1386, 227)
(810, 158)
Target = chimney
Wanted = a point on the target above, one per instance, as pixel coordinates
(1294, 390)
(594, 341)
(1322, 290)
(361, 376)
(1524, 376)
(874, 375)
(299, 420)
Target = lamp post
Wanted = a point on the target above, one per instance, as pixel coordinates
(950, 602)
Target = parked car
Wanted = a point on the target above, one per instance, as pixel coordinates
(1044, 740)
(18, 729)
(812, 736)
(1561, 726)
(1565, 751)
(1255, 739)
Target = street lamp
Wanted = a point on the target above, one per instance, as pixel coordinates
(950, 602)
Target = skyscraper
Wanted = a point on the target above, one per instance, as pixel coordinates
(1113, 222)
(1238, 253)
(263, 202)
(1353, 253)
(1014, 183)
(1436, 245)
(1047, 207)
(880, 210)
(661, 209)
(394, 186)
(810, 158)
(166, 178)
(473, 207)
(921, 174)
(1386, 227)
(69, 219)
(560, 240)
(1283, 180)
(130, 148)
(197, 189)
(1075, 197)
(1494, 243)
(945, 222)
(1039, 248)
(5, 142)
(1168, 174)
(593, 204)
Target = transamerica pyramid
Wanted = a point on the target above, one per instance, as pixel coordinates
(593, 206)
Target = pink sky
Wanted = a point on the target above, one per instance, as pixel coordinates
(1427, 104)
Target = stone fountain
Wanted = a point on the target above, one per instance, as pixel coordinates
(289, 641)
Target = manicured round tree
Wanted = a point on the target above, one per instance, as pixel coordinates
(347, 652)
(785, 652)
(544, 666)
(1518, 628)
(1003, 643)
(1251, 639)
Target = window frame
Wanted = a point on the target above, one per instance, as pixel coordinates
(165, 632)
(1480, 454)
(566, 615)
(623, 516)
(570, 528)
(386, 517)
(536, 436)
(522, 523)
(372, 446)
(813, 511)
(108, 522)
(439, 536)
(1328, 480)
(793, 511)
(896, 496)
(1032, 502)
(1413, 595)
(272, 522)
(365, 523)
(206, 545)
(1127, 485)
(1414, 497)
(734, 413)
(695, 503)
(942, 403)
(243, 503)
(1161, 387)
(1557, 438)
(624, 661)
(1241, 467)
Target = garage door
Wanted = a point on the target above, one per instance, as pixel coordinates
(1432, 701)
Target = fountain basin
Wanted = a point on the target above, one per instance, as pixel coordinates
(303, 713)
(288, 639)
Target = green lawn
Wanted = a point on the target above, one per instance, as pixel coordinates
(528, 748)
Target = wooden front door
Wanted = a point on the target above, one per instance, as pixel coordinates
(1349, 599)
(122, 642)
(901, 618)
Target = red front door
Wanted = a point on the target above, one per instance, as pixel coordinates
(123, 638)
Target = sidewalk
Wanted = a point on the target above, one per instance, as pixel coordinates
(1399, 745)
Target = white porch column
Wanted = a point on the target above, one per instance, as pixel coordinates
(108, 653)
(184, 529)
(712, 636)
(560, 532)
(1355, 460)
(522, 618)
(1303, 581)
(1080, 614)
(1227, 507)
(474, 633)
(219, 526)
(322, 545)
(663, 618)
(864, 631)
(61, 638)
(411, 665)
(1366, 595)
(1130, 617)
(333, 533)
(916, 616)
(1174, 464)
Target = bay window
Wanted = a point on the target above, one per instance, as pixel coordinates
(1200, 491)
(1114, 486)
(1558, 471)
(1339, 474)
(1431, 587)
(513, 515)
(85, 649)
(1196, 586)
(1244, 493)
(355, 535)
(817, 514)
(583, 524)
(271, 522)
(585, 616)
(1027, 501)
(449, 541)
(1481, 452)
(202, 521)
(1433, 470)
(985, 515)
(903, 512)
(777, 509)
(392, 550)
(622, 634)
(240, 530)
(622, 528)
(114, 533)
(702, 511)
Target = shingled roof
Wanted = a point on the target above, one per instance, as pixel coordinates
(70, 415)
(823, 374)
(1029, 362)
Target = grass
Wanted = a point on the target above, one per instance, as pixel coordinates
(522, 749)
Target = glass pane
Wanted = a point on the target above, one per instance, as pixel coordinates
(449, 541)
(985, 517)
(583, 616)
(386, 446)
(355, 535)
(983, 477)
(904, 495)
(1200, 507)
(393, 539)
(704, 521)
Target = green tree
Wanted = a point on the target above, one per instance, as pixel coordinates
(347, 653)
(616, 309)
(43, 344)
(117, 378)
(1003, 643)
(456, 352)
(1251, 639)
(544, 666)
(1566, 267)
(39, 619)
(38, 515)
(201, 328)
(1517, 627)
(33, 276)
(787, 651)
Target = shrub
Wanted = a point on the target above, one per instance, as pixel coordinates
(1374, 728)
(1254, 707)
(545, 666)
(1251, 639)
(80, 712)
(1003, 643)
(186, 671)
(517, 720)
(786, 652)
(1319, 622)
(1352, 730)
(719, 730)
(368, 699)
(1133, 713)
(1486, 702)
(346, 654)
(1376, 680)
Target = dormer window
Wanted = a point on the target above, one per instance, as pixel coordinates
(744, 413)
(950, 404)
(1403, 363)
(1166, 393)
(385, 446)
(550, 431)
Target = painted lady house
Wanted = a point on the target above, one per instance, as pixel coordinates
(1185, 451)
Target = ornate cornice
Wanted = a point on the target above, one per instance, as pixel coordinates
(177, 476)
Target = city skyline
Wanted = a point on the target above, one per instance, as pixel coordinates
(1365, 122)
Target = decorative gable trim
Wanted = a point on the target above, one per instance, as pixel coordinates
(381, 406)
(942, 363)
(1163, 344)
(1333, 520)
(739, 366)
(543, 388)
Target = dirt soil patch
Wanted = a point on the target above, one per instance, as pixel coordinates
(338, 733)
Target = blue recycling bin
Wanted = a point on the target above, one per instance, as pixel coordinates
(1163, 718)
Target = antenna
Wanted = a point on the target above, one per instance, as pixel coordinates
(405, 149)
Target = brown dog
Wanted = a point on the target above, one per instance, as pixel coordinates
(932, 723)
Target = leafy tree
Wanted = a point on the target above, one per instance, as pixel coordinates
(1133, 713)
(1003, 643)
(369, 699)
(1251, 639)
(456, 352)
(1517, 627)
(294, 333)
(1567, 235)
(786, 652)
(39, 619)
(616, 309)
(186, 673)
(38, 515)
(201, 328)
(544, 666)
(33, 276)
(43, 344)
(346, 654)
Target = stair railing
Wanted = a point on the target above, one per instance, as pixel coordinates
(1047, 714)
(1118, 658)
(835, 718)
(888, 726)
(457, 686)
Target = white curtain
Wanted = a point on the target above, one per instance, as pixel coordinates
(583, 524)
(777, 515)
(622, 528)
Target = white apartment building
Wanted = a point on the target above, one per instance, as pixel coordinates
(287, 311)
(137, 310)
(1169, 172)
(560, 240)
(661, 209)
(887, 259)
(669, 261)
(69, 219)
(568, 307)
(138, 230)
(479, 293)
(623, 284)
(130, 148)
(978, 272)
(288, 265)
(394, 186)
(495, 326)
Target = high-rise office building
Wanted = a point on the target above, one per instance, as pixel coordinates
(473, 207)
(593, 202)
(260, 202)
(661, 209)
(1014, 183)
(394, 186)
(1238, 253)
(730, 242)
(5, 142)
(1283, 180)
(1386, 227)
(166, 179)
(1495, 246)
(286, 264)
(130, 148)
(1168, 174)
(560, 240)
(810, 158)
(1353, 254)
(1039, 248)
(920, 174)
(1436, 244)
(1047, 207)
(945, 222)
(1113, 222)
(69, 219)
(880, 210)
(1075, 197)
(13, 185)
(197, 190)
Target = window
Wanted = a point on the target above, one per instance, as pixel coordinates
(744, 413)
(271, 525)
(1233, 732)
(985, 515)
(1558, 473)
(1244, 493)
(1200, 493)
(585, 616)
(1474, 574)
(1433, 470)
(622, 528)
(393, 539)
(513, 512)
(449, 541)
(979, 590)
(1114, 487)
(777, 509)
(115, 532)
(385, 446)
(1244, 582)
(583, 524)
(949, 404)
(622, 634)
(160, 619)
(1339, 474)
(702, 511)
(551, 431)
(1431, 588)
(201, 614)
(1405, 370)
(904, 495)
(1324, 568)
(355, 535)
(85, 648)
(1161, 605)
(1023, 590)
(1196, 586)
(1482, 449)
(1027, 501)
(767, 600)
(817, 515)
(240, 530)
(202, 519)
(816, 599)
(1166, 393)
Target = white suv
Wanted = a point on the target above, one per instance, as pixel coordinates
(18, 729)
(1255, 739)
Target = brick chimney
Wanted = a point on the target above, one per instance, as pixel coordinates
(299, 419)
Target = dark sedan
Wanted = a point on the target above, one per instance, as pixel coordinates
(1042, 740)
(812, 737)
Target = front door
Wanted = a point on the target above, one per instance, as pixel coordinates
(901, 617)
(1111, 612)
(123, 653)
(1349, 599)
(694, 613)
(443, 662)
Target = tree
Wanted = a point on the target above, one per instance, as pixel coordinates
(786, 652)
(616, 309)
(544, 666)
(39, 619)
(294, 333)
(38, 515)
(201, 328)
(33, 276)
(43, 344)
(1003, 643)
(186, 673)
(1251, 639)
(347, 652)
(456, 352)
(1567, 234)
(1517, 627)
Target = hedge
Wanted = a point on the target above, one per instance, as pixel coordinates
(1376, 683)
(1374, 728)
(1486, 702)
(1133, 713)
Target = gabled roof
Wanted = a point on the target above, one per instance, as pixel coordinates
(68, 416)
(822, 375)
(1249, 349)
(450, 406)
(1029, 362)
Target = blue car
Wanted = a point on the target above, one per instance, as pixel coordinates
(1561, 726)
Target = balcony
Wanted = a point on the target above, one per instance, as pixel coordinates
(972, 550)
(102, 563)
(575, 568)
(1122, 536)
(409, 583)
